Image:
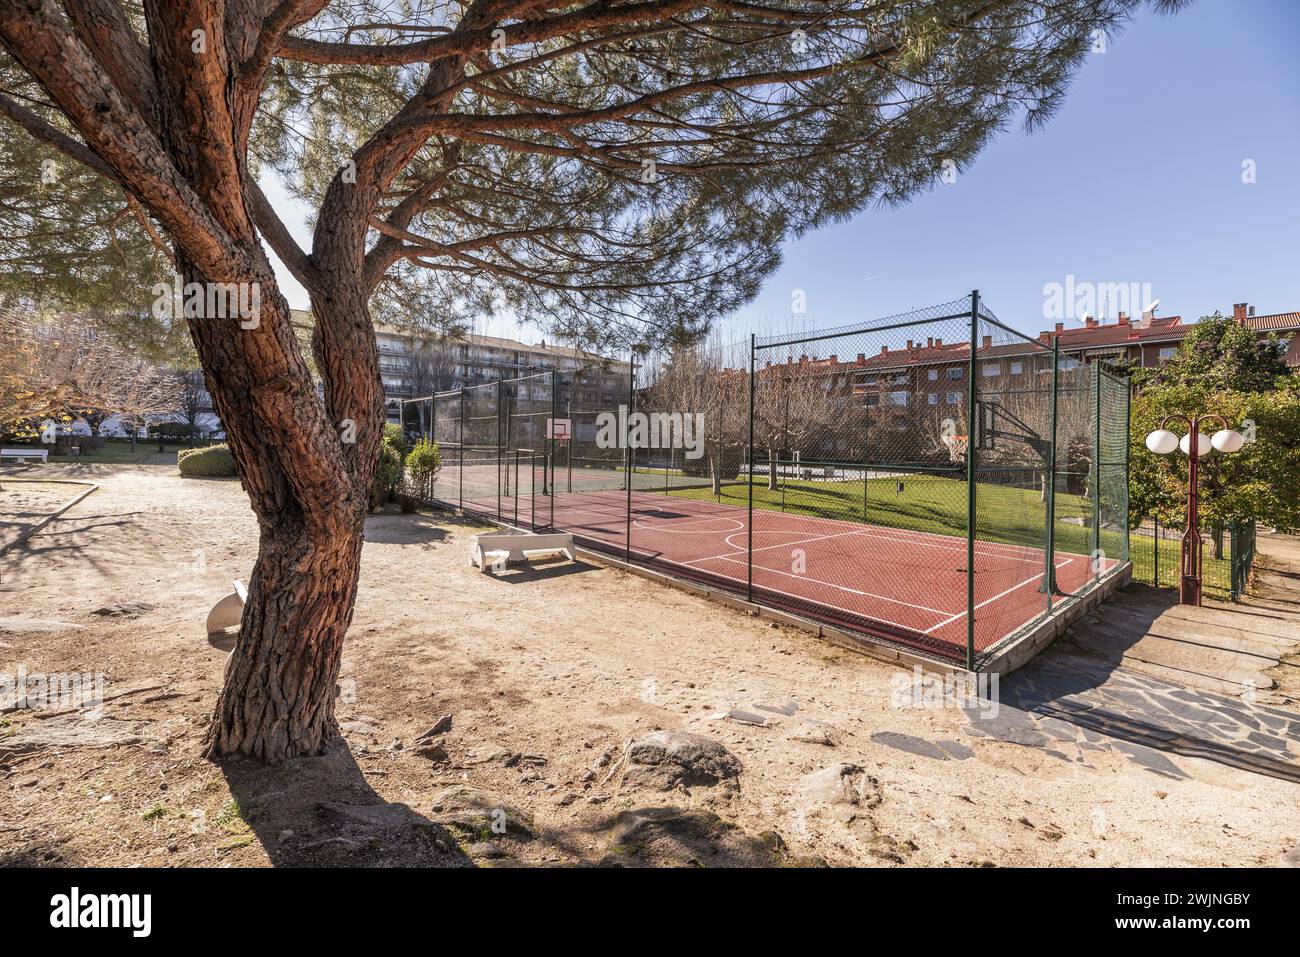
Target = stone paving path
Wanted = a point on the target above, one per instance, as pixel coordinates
(1157, 681)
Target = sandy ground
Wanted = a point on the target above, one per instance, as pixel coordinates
(546, 673)
(24, 503)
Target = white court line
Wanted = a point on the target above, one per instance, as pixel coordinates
(745, 551)
(875, 537)
(677, 529)
(1003, 594)
(852, 591)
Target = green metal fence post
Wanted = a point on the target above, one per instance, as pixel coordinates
(1096, 471)
(749, 481)
(628, 460)
(971, 444)
(1050, 572)
(1128, 454)
(1155, 555)
(460, 477)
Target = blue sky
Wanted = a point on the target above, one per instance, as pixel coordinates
(1138, 179)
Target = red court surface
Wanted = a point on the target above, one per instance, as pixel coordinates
(902, 585)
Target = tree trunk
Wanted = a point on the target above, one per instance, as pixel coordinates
(771, 470)
(1216, 532)
(307, 468)
(282, 677)
(715, 475)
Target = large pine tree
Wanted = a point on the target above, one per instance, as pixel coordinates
(622, 170)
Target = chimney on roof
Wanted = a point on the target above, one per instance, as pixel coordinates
(929, 342)
(987, 343)
(862, 358)
(835, 360)
(1060, 327)
(1090, 322)
(938, 343)
(1123, 318)
(909, 344)
(884, 349)
(1045, 337)
(1239, 313)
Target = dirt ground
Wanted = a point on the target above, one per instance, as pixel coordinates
(547, 673)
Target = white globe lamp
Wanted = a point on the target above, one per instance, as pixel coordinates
(1203, 445)
(1227, 440)
(1162, 441)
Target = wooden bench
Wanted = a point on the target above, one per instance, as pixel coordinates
(228, 612)
(23, 454)
(493, 549)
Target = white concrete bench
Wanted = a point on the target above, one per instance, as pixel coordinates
(22, 454)
(228, 612)
(496, 548)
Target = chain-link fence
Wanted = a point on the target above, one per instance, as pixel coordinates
(1227, 558)
(934, 479)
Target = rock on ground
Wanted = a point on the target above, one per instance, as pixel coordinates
(664, 760)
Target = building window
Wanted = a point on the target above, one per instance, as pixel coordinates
(1068, 363)
(932, 399)
(1017, 368)
(955, 372)
(954, 398)
(896, 398)
(991, 369)
(1167, 353)
(932, 374)
(870, 380)
(900, 379)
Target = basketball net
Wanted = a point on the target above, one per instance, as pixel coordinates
(957, 445)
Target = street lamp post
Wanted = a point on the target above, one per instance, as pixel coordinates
(1163, 442)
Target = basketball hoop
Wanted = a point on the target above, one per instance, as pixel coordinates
(957, 445)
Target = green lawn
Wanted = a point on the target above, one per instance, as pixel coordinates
(1216, 573)
(116, 452)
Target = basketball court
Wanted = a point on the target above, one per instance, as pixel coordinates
(901, 585)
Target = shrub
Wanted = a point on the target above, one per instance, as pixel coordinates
(387, 474)
(211, 460)
(422, 464)
(394, 436)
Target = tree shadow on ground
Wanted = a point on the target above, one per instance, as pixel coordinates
(321, 812)
(1077, 694)
(404, 529)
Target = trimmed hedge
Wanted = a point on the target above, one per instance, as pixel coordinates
(209, 461)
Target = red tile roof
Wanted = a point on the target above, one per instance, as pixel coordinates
(1277, 322)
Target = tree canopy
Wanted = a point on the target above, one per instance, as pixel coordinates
(1223, 368)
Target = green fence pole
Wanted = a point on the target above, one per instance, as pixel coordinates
(1050, 579)
(628, 461)
(1155, 555)
(971, 445)
(749, 481)
(1128, 454)
(1096, 470)
(460, 478)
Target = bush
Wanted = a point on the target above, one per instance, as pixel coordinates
(422, 464)
(387, 474)
(394, 436)
(211, 460)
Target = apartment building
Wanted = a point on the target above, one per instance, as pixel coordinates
(413, 364)
(1153, 340)
(934, 372)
